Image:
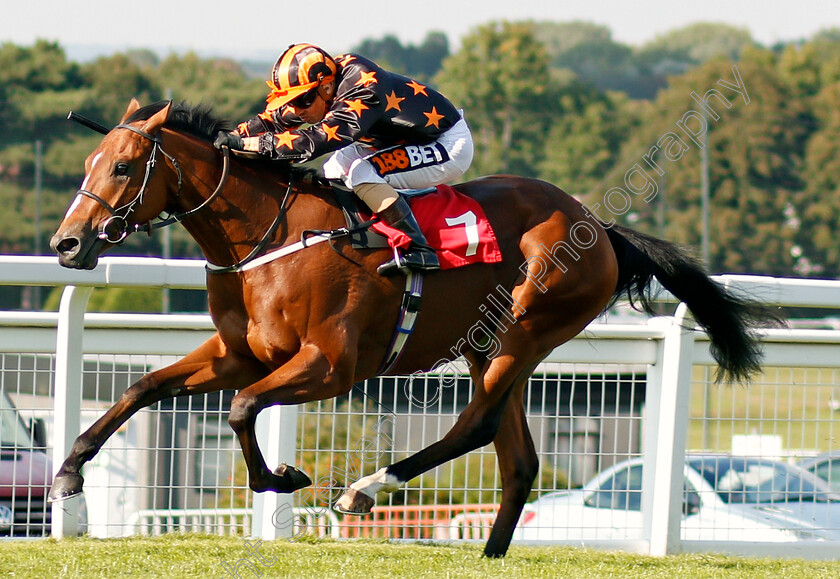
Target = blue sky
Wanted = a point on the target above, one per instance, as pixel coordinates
(243, 28)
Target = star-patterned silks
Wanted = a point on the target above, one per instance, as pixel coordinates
(434, 118)
(285, 139)
(370, 105)
(357, 106)
(331, 132)
(393, 102)
(366, 78)
(417, 88)
(345, 59)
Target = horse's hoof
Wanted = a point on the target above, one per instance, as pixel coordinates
(293, 478)
(65, 486)
(353, 502)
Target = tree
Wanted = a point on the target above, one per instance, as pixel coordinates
(590, 52)
(37, 87)
(585, 138)
(429, 56)
(43, 66)
(114, 81)
(500, 77)
(144, 58)
(388, 52)
(813, 65)
(818, 206)
(220, 82)
(755, 155)
(812, 70)
(421, 62)
(30, 77)
(678, 50)
(532, 95)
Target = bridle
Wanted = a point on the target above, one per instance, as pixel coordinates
(116, 228)
(119, 216)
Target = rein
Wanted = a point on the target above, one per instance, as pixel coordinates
(115, 229)
(266, 238)
(412, 295)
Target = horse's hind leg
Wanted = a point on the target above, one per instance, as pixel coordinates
(210, 368)
(552, 317)
(477, 426)
(497, 417)
(519, 465)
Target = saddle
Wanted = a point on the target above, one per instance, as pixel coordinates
(454, 224)
(358, 217)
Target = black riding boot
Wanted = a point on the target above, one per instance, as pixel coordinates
(419, 256)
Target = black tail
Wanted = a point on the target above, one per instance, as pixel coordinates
(728, 319)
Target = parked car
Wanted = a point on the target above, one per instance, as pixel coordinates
(25, 475)
(726, 498)
(826, 466)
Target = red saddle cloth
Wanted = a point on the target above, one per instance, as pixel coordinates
(454, 225)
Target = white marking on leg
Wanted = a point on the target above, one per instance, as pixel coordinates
(380, 481)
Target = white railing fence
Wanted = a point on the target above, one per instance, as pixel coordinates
(608, 395)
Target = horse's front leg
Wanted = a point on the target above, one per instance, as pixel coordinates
(307, 376)
(209, 368)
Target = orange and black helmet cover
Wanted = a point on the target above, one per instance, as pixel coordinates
(301, 68)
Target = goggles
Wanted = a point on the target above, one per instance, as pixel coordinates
(301, 97)
(305, 100)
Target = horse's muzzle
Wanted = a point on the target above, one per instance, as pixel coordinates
(74, 252)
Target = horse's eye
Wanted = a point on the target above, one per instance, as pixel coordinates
(121, 169)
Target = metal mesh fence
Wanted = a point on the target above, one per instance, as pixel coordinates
(26, 389)
(583, 418)
(177, 465)
(767, 450)
(762, 465)
(171, 466)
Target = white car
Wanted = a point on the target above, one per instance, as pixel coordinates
(826, 466)
(726, 498)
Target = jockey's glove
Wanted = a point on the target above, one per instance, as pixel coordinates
(263, 144)
(231, 140)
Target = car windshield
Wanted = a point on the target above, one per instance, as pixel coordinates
(757, 481)
(12, 432)
(622, 491)
(829, 471)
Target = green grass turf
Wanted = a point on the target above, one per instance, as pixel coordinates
(176, 555)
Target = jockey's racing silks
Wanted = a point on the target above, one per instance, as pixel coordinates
(371, 106)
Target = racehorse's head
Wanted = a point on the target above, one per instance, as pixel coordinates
(123, 188)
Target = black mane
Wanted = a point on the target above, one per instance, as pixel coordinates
(196, 120)
(199, 121)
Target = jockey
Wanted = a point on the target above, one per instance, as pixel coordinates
(384, 131)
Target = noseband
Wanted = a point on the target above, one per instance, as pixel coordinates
(116, 228)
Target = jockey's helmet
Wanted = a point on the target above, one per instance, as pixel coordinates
(299, 71)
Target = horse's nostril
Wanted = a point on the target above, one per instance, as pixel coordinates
(67, 245)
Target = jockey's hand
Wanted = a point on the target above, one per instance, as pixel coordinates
(230, 140)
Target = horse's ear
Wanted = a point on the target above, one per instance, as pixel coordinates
(156, 121)
(132, 108)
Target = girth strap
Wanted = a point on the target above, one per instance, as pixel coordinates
(409, 309)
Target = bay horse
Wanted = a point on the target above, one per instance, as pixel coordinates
(311, 324)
